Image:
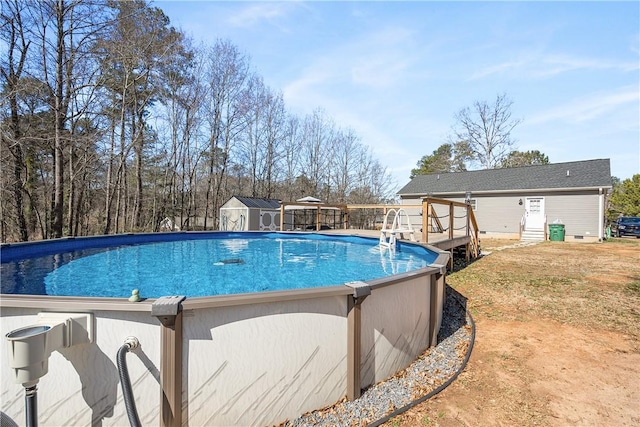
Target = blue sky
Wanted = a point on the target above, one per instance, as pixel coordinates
(397, 72)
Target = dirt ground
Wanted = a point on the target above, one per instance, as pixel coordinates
(557, 339)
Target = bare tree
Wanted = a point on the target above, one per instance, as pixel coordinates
(346, 153)
(486, 129)
(139, 49)
(13, 36)
(290, 159)
(275, 131)
(183, 101)
(65, 32)
(263, 137)
(372, 183)
(110, 123)
(227, 75)
(317, 141)
(252, 139)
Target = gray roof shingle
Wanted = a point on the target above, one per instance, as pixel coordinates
(258, 202)
(581, 174)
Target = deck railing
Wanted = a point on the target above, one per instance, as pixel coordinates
(457, 221)
(469, 228)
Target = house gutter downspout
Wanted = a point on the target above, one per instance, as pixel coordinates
(600, 214)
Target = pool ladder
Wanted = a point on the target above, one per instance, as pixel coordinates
(399, 225)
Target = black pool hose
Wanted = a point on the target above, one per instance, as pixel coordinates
(125, 381)
(442, 386)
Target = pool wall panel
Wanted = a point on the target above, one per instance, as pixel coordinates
(395, 328)
(264, 363)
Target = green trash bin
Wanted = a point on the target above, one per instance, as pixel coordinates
(556, 232)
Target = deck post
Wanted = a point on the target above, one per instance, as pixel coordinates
(451, 220)
(425, 220)
(281, 216)
(451, 224)
(168, 310)
(468, 246)
(346, 218)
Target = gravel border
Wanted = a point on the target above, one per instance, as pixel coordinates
(435, 369)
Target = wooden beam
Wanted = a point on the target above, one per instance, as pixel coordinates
(451, 220)
(282, 217)
(451, 243)
(426, 224)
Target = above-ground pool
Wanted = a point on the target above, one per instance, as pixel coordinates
(273, 325)
(200, 264)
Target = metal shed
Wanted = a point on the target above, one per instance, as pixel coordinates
(250, 214)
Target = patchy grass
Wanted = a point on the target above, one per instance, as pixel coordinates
(624, 240)
(586, 284)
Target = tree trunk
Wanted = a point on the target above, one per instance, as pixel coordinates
(12, 74)
(71, 198)
(58, 150)
(108, 195)
(137, 131)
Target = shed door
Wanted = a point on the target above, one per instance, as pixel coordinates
(534, 214)
(269, 220)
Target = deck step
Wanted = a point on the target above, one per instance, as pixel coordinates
(532, 235)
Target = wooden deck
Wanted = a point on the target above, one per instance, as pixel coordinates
(439, 240)
(454, 228)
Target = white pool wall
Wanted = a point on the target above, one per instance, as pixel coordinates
(260, 364)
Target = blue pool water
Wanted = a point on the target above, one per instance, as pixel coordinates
(210, 264)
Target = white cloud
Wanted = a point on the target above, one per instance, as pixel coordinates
(258, 13)
(589, 107)
(304, 93)
(379, 71)
(545, 66)
(557, 64)
(377, 60)
(498, 69)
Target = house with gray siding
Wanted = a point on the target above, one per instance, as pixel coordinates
(523, 201)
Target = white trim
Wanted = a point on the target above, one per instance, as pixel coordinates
(601, 216)
(515, 190)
